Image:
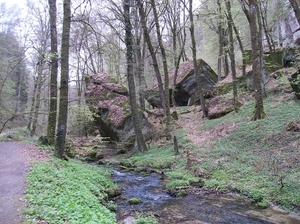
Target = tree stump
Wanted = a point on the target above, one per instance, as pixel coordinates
(176, 146)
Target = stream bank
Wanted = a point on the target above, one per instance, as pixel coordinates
(192, 208)
(206, 207)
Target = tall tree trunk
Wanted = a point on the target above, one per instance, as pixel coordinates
(18, 92)
(32, 103)
(220, 36)
(254, 32)
(64, 80)
(166, 72)
(236, 32)
(180, 55)
(173, 29)
(139, 59)
(141, 75)
(295, 4)
(263, 76)
(263, 8)
(37, 97)
(196, 70)
(53, 76)
(153, 56)
(231, 54)
(177, 68)
(225, 45)
(136, 116)
(279, 34)
(263, 27)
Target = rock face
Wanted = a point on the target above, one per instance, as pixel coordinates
(185, 86)
(109, 103)
(289, 29)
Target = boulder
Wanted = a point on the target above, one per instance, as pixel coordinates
(185, 87)
(113, 192)
(109, 103)
(219, 106)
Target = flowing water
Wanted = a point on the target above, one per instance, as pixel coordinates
(190, 209)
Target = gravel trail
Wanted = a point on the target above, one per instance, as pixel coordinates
(15, 158)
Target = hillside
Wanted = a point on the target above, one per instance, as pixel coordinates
(258, 159)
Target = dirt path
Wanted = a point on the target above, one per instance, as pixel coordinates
(14, 166)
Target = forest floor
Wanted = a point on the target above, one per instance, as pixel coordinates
(15, 158)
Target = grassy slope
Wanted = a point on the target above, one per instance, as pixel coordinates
(259, 159)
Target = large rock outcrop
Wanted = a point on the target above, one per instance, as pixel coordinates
(109, 103)
(185, 85)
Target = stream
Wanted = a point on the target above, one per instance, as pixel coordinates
(190, 209)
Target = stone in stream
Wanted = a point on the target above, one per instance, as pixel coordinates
(129, 220)
(135, 201)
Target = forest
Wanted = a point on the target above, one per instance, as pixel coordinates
(205, 92)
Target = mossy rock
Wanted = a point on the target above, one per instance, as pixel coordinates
(113, 192)
(219, 106)
(135, 201)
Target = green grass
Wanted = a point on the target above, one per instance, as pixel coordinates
(72, 192)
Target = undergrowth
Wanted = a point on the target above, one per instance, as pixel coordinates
(68, 192)
(17, 134)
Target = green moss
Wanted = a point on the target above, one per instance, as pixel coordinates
(135, 201)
